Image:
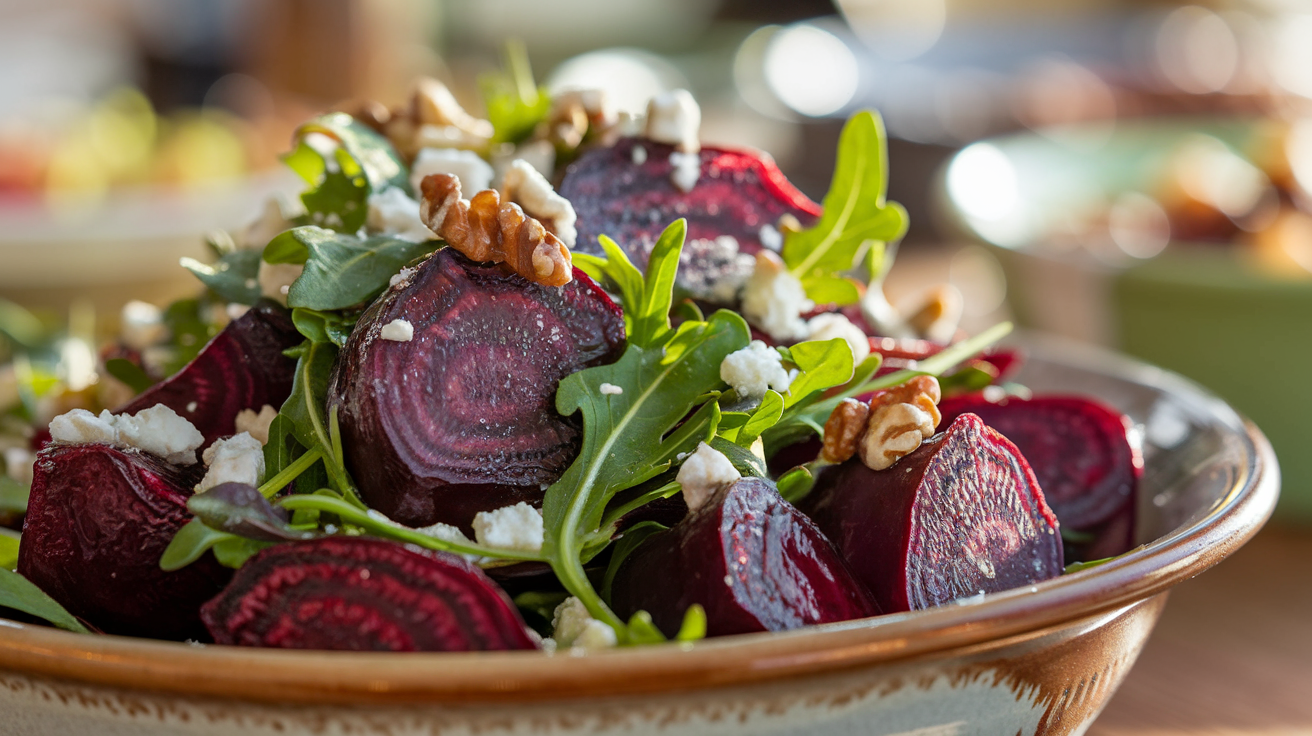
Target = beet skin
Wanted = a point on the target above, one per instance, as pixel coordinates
(361, 594)
(750, 559)
(961, 515)
(98, 521)
(462, 417)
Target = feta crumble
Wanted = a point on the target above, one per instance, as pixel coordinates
(775, 299)
(831, 325)
(610, 389)
(528, 188)
(516, 527)
(474, 173)
(771, 238)
(720, 272)
(81, 427)
(540, 154)
(573, 626)
(157, 430)
(674, 118)
(393, 212)
(237, 459)
(754, 370)
(398, 330)
(703, 473)
(401, 276)
(639, 155)
(141, 325)
(256, 425)
(687, 170)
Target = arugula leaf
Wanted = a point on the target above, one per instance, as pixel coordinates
(194, 539)
(341, 270)
(13, 495)
(234, 277)
(9, 542)
(18, 593)
(129, 373)
(515, 104)
(241, 509)
(372, 153)
(321, 326)
(855, 213)
(339, 191)
(646, 300)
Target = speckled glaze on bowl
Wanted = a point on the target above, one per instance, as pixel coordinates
(1040, 660)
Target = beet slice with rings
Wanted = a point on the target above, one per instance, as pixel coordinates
(961, 515)
(629, 197)
(98, 521)
(241, 368)
(461, 418)
(361, 594)
(1079, 449)
(750, 559)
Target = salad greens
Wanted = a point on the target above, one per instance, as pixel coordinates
(341, 271)
(515, 104)
(20, 595)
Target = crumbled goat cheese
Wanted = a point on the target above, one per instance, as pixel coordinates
(573, 626)
(610, 389)
(528, 188)
(393, 212)
(474, 173)
(256, 425)
(674, 118)
(157, 430)
(639, 155)
(237, 459)
(687, 170)
(18, 464)
(770, 237)
(754, 370)
(512, 527)
(720, 271)
(401, 276)
(703, 473)
(276, 279)
(142, 325)
(541, 155)
(236, 311)
(775, 299)
(266, 227)
(398, 330)
(448, 533)
(831, 325)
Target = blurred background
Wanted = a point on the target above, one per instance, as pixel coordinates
(1133, 174)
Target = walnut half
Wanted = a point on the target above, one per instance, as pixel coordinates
(892, 426)
(486, 229)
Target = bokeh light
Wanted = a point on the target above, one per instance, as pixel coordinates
(811, 70)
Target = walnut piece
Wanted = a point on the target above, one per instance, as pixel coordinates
(435, 119)
(900, 419)
(576, 114)
(485, 229)
(843, 429)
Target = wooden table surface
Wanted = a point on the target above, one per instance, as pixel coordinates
(1233, 651)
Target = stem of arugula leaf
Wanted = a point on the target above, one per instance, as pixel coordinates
(290, 473)
(612, 518)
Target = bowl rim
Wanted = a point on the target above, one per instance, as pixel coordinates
(318, 677)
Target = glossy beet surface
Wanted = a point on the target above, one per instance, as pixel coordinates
(462, 417)
(361, 594)
(98, 521)
(1079, 449)
(750, 559)
(241, 368)
(959, 516)
(739, 192)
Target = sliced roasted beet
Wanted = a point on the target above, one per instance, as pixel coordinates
(961, 515)
(97, 523)
(629, 197)
(1079, 449)
(461, 418)
(241, 368)
(750, 559)
(360, 594)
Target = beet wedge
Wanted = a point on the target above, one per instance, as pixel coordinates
(961, 515)
(98, 521)
(361, 594)
(628, 196)
(461, 418)
(241, 368)
(1079, 449)
(750, 559)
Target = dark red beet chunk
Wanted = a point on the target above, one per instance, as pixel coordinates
(959, 516)
(360, 594)
(462, 418)
(739, 192)
(1079, 450)
(98, 521)
(750, 559)
(241, 368)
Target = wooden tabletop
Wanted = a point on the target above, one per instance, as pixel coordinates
(1233, 652)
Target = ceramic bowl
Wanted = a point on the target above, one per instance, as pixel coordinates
(1038, 660)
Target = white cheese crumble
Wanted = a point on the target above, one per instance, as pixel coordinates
(237, 459)
(401, 276)
(141, 325)
(512, 527)
(18, 464)
(256, 425)
(527, 187)
(610, 389)
(771, 238)
(831, 325)
(276, 279)
(157, 430)
(398, 330)
(674, 118)
(703, 473)
(541, 155)
(474, 173)
(393, 212)
(573, 626)
(754, 370)
(639, 155)
(687, 170)
(775, 299)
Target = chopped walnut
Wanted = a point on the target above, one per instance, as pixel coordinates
(900, 419)
(843, 429)
(577, 113)
(434, 119)
(937, 318)
(485, 229)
